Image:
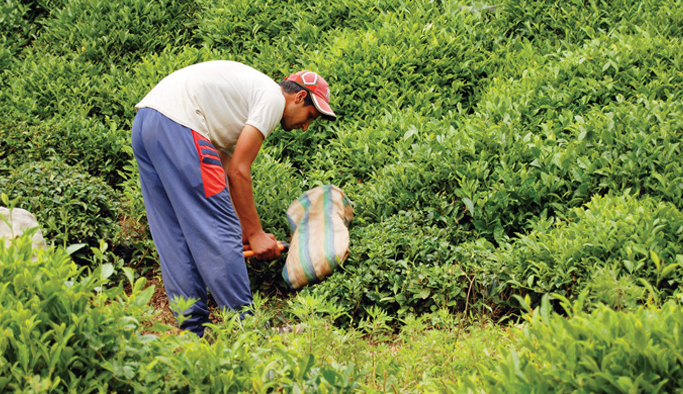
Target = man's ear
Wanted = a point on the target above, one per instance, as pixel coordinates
(300, 96)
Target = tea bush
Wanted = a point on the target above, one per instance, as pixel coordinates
(477, 121)
(379, 66)
(71, 206)
(366, 155)
(15, 30)
(600, 352)
(402, 265)
(134, 240)
(541, 151)
(387, 67)
(622, 146)
(108, 33)
(407, 265)
(560, 25)
(613, 68)
(610, 287)
(238, 363)
(97, 147)
(492, 151)
(527, 143)
(252, 27)
(68, 329)
(45, 85)
(426, 174)
(58, 324)
(637, 237)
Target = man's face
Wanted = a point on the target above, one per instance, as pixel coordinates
(297, 115)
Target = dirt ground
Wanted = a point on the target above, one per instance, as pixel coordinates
(160, 304)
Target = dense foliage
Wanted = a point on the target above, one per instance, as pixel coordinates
(463, 128)
(73, 205)
(494, 153)
(631, 352)
(72, 331)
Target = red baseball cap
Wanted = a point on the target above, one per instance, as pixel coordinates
(319, 88)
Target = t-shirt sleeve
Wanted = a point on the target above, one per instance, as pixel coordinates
(266, 112)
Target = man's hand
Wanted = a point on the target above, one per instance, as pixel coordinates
(264, 246)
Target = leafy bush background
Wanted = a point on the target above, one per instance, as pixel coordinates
(485, 147)
(495, 153)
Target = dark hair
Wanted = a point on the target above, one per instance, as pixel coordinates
(293, 87)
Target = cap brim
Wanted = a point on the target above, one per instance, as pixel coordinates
(323, 107)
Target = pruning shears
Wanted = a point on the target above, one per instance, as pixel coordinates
(283, 246)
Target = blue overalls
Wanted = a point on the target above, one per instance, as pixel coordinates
(191, 217)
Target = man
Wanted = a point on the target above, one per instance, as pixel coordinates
(196, 126)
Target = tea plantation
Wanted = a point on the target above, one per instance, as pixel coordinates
(516, 172)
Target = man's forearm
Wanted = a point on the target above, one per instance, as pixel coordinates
(242, 195)
(225, 162)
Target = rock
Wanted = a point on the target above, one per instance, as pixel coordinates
(20, 221)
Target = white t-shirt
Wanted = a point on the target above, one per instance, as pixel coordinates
(217, 99)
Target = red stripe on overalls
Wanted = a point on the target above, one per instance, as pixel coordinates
(213, 175)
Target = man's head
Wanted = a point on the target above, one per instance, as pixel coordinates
(307, 97)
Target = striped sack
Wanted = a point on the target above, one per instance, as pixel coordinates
(320, 237)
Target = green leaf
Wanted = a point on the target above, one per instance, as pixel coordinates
(525, 302)
(656, 260)
(668, 269)
(498, 232)
(424, 293)
(650, 289)
(412, 130)
(128, 272)
(144, 297)
(71, 249)
(470, 206)
(305, 365)
(107, 270)
(159, 327)
(139, 284)
(629, 266)
(545, 308)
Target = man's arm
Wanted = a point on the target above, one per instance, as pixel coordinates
(238, 170)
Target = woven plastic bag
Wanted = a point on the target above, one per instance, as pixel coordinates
(320, 236)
